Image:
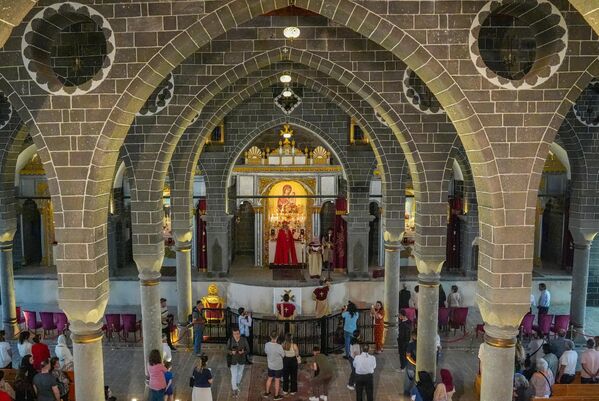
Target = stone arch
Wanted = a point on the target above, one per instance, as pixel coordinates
(589, 11)
(13, 13)
(344, 12)
(378, 149)
(308, 59)
(552, 129)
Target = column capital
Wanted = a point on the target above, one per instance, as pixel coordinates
(149, 278)
(7, 234)
(85, 333)
(430, 265)
(429, 279)
(393, 246)
(183, 238)
(500, 337)
(149, 263)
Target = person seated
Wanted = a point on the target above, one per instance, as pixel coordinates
(551, 359)
(286, 309)
(558, 345)
(535, 347)
(529, 369)
(522, 389)
(542, 380)
(567, 368)
(5, 387)
(108, 394)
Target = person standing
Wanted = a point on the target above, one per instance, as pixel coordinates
(245, 328)
(454, 300)
(291, 362)
(198, 321)
(238, 348)
(551, 358)
(202, 381)
(39, 351)
(24, 345)
(544, 299)
(166, 320)
(169, 391)
(567, 362)
(63, 353)
(377, 312)
(274, 358)
(404, 333)
(414, 300)
(323, 375)
(315, 258)
(442, 297)
(354, 351)
(45, 385)
(167, 355)
(404, 297)
(542, 380)
(328, 249)
(589, 361)
(365, 365)
(321, 296)
(350, 317)
(6, 352)
(156, 371)
(61, 378)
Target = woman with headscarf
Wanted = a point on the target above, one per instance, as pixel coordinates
(425, 388)
(63, 353)
(444, 390)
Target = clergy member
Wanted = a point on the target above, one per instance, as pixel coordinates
(314, 258)
(321, 296)
(285, 250)
(328, 249)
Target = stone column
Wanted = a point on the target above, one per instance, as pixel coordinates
(580, 283)
(497, 363)
(392, 268)
(183, 249)
(428, 311)
(149, 281)
(7, 287)
(87, 355)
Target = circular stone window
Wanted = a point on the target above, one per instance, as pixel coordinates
(160, 98)
(68, 48)
(586, 108)
(419, 95)
(5, 110)
(518, 44)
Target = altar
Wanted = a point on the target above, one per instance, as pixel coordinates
(287, 188)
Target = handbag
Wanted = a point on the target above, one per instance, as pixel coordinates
(191, 381)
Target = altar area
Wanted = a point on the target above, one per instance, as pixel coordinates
(291, 194)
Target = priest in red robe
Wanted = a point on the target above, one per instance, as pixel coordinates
(285, 250)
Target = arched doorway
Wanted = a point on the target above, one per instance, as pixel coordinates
(31, 231)
(244, 235)
(374, 234)
(327, 217)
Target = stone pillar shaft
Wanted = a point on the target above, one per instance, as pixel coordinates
(150, 313)
(392, 270)
(428, 311)
(580, 283)
(7, 290)
(183, 282)
(497, 367)
(87, 357)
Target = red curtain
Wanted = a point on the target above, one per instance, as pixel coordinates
(340, 233)
(201, 244)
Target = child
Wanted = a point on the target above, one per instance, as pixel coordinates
(170, 384)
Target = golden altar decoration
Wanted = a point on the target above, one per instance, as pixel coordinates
(214, 305)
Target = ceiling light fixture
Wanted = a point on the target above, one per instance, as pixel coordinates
(286, 78)
(287, 93)
(291, 32)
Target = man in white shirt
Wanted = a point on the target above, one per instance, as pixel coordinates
(364, 364)
(167, 355)
(5, 352)
(567, 365)
(589, 361)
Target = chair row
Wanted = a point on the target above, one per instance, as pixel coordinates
(122, 325)
(546, 324)
(454, 318)
(48, 321)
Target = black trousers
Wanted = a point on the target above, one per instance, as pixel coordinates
(290, 374)
(567, 379)
(167, 332)
(365, 383)
(402, 348)
(250, 339)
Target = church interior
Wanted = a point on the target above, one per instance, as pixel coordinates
(229, 152)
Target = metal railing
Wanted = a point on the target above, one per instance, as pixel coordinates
(325, 332)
